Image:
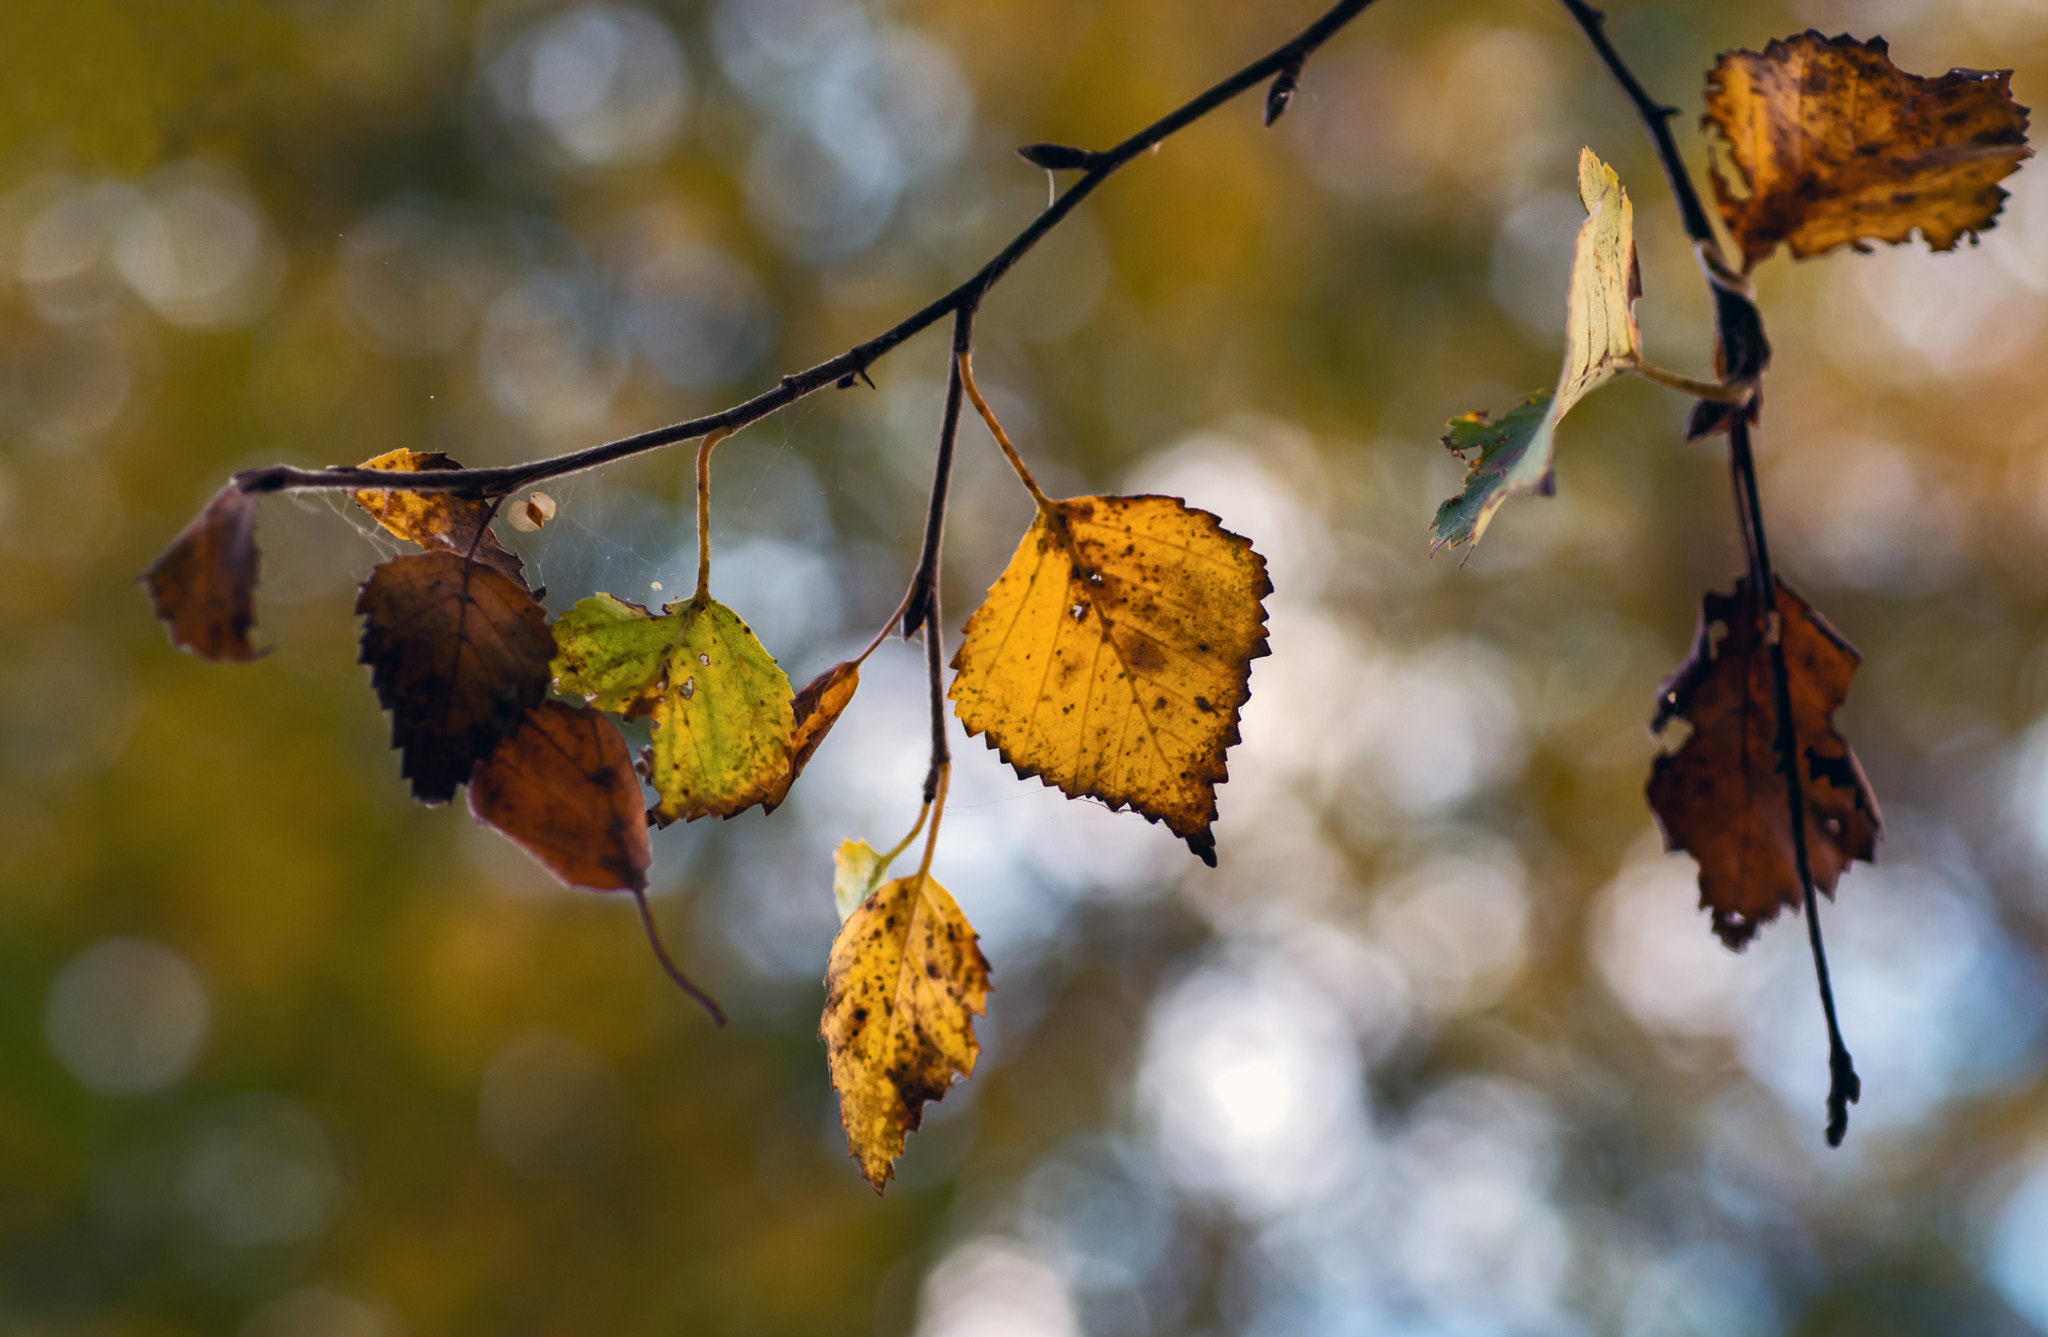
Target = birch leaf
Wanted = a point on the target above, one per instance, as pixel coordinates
(815, 710)
(204, 584)
(1601, 341)
(563, 790)
(723, 721)
(1721, 796)
(458, 653)
(1113, 656)
(857, 869)
(905, 982)
(1828, 143)
(436, 520)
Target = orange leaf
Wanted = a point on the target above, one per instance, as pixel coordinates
(1721, 797)
(817, 708)
(204, 583)
(458, 653)
(1832, 143)
(563, 790)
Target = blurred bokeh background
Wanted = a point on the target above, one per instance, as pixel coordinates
(1443, 1046)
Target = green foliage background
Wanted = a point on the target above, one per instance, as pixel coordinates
(1440, 1048)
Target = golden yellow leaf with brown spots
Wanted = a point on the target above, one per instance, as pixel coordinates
(437, 520)
(1113, 656)
(1831, 143)
(906, 980)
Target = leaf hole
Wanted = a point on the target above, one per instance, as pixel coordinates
(689, 689)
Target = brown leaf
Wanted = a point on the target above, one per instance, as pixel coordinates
(563, 790)
(1721, 797)
(818, 707)
(437, 520)
(458, 653)
(204, 583)
(1832, 143)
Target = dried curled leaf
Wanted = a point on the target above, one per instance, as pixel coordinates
(1113, 656)
(723, 719)
(1601, 341)
(436, 520)
(906, 980)
(563, 790)
(458, 653)
(814, 711)
(204, 583)
(1721, 796)
(1831, 144)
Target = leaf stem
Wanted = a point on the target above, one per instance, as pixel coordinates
(855, 361)
(964, 369)
(711, 440)
(675, 972)
(938, 810)
(1844, 1086)
(1718, 392)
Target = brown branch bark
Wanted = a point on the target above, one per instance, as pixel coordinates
(856, 360)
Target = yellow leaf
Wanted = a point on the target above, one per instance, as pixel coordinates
(1831, 143)
(1112, 657)
(436, 520)
(1514, 455)
(721, 707)
(906, 980)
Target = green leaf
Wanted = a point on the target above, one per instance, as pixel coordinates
(721, 707)
(1513, 457)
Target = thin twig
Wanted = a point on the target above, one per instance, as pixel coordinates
(675, 972)
(923, 603)
(855, 361)
(1844, 1086)
(1742, 352)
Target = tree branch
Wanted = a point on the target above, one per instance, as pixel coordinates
(1742, 354)
(855, 361)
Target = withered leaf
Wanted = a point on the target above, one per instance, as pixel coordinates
(458, 653)
(1513, 455)
(436, 520)
(204, 583)
(1721, 796)
(1831, 144)
(906, 980)
(563, 789)
(1113, 656)
(816, 709)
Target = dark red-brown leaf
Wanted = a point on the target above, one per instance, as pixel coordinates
(563, 790)
(458, 653)
(1721, 796)
(204, 583)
